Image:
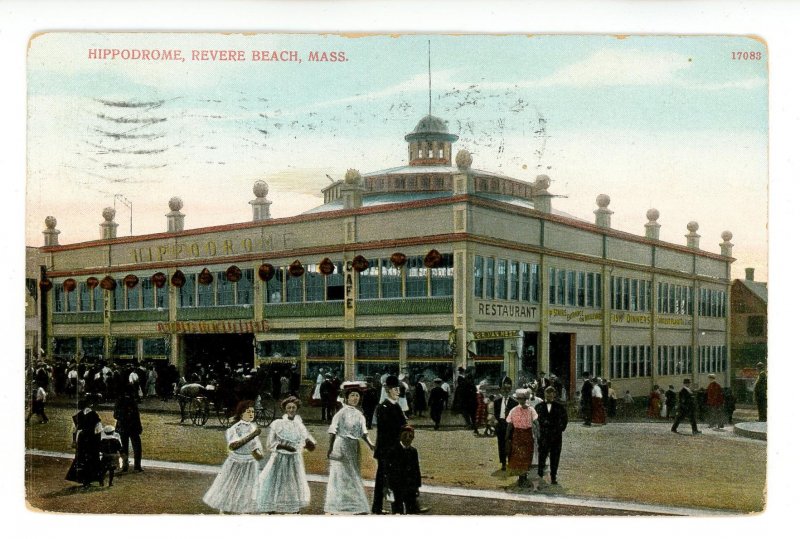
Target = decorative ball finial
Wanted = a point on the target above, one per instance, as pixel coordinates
(727, 236)
(463, 159)
(653, 214)
(50, 222)
(692, 226)
(542, 182)
(175, 204)
(603, 201)
(352, 177)
(109, 213)
(260, 189)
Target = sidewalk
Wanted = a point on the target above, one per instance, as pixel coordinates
(538, 498)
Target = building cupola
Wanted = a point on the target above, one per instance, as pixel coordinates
(430, 143)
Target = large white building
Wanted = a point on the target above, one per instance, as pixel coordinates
(421, 268)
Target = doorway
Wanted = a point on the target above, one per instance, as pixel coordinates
(212, 352)
(562, 359)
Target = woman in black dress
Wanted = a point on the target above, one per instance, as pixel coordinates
(86, 467)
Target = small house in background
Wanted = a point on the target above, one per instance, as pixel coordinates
(748, 332)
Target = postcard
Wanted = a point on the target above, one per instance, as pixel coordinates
(372, 274)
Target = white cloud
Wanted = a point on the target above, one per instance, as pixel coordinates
(619, 67)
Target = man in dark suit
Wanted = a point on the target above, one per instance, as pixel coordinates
(391, 420)
(552, 422)
(586, 400)
(686, 407)
(503, 405)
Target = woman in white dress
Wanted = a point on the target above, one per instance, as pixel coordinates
(234, 488)
(282, 485)
(316, 397)
(345, 492)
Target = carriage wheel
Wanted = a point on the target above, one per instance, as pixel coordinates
(198, 411)
(223, 415)
(266, 414)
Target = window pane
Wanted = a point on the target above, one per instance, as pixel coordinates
(244, 288)
(205, 294)
(294, 287)
(514, 280)
(315, 284)
(489, 278)
(562, 285)
(502, 279)
(442, 277)
(478, 273)
(224, 289)
(535, 283)
(325, 349)
(526, 282)
(416, 277)
(571, 288)
(590, 290)
(581, 289)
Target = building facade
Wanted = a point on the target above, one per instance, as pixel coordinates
(418, 269)
(749, 300)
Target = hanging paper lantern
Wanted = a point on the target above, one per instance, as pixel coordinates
(233, 274)
(178, 279)
(92, 282)
(398, 260)
(130, 281)
(266, 272)
(46, 284)
(296, 269)
(360, 263)
(108, 283)
(205, 277)
(158, 280)
(433, 259)
(69, 285)
(326, 266)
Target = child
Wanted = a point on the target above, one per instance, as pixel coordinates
(403, 475)
(110, 446)
(38, 398)
(233, 490)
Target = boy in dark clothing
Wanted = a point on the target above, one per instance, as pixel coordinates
(110, 447)
(437, 402)
(403, 475)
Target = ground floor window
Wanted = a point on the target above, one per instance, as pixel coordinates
(376, 369)
(429, 370)
(490, 372)
(155, 348)
(279, 349)
(65, 348)
(490, 349)
(674, 360)
(377, 349)
(588, 360)
(315, 368)
(93, 347)
(630, 361)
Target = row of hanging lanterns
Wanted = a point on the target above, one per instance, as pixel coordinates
(233, 274)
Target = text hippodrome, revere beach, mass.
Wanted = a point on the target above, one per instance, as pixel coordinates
(215, 55)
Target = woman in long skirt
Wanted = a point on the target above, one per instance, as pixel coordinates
(282, 485)
(520, 438)
(85, 467)
(654, 403)
(234, 488)
(345, 492)
(598, 410)
(316, 396)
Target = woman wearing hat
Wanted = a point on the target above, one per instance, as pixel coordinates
(520, 438)
(345, 491)
(234, 487)
(282, 485)
(85, 467)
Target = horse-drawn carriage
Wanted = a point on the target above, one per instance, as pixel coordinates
(198, 402)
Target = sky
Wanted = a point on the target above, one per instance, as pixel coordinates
(673, 123)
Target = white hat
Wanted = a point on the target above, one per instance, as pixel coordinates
(522, 393)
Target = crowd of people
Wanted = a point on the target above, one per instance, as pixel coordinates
(528, 420)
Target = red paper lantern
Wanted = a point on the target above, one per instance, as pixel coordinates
(326, 266)
(433, 259)
(266, 272)
(130, 281)
(46, 284)
(360, 263)
(205, 277)
(178, 279)
(158, 280)
(92, 282)
(108, 283)
(233, 274)
(69, 285)
(398, 260)
(296, 269)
